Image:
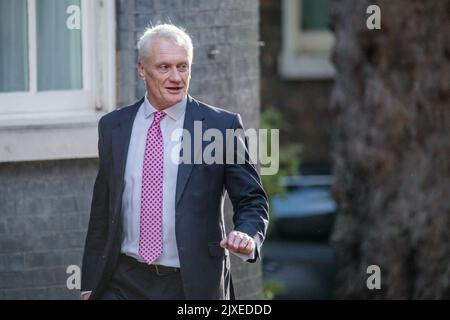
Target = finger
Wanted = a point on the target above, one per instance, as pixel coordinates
(231, 238)
(223, 243)
(237, 240)
(244, 243)
(250, 246)
(245, 246)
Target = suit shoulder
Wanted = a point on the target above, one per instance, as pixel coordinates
(215, 112)
(114, 116)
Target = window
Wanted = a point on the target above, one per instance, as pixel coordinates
(307, 41)
(45, 66)
(57, 70)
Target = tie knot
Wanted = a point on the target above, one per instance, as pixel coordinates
(157, 116)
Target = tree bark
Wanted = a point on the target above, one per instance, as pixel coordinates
(391, 149)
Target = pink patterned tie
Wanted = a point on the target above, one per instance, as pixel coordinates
(150, 238)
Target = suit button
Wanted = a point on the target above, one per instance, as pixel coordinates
(103, 257)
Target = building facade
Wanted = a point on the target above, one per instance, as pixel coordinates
(68, 63)
(297, 74)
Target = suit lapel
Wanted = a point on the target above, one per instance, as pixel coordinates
(193, 113)
(121, 135)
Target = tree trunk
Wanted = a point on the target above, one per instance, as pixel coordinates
(391, 103)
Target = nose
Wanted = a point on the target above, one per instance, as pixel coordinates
(175, 75)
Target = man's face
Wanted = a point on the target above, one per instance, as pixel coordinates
(166, 72)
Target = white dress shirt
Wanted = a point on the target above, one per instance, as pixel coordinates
(131, 198)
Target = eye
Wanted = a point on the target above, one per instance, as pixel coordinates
(163, 68)
(183, 67)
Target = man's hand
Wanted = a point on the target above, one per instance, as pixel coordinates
(238, 242)
(86, 295)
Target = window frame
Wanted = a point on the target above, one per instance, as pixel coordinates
(68, 132)
(305, 54)
(54, 100)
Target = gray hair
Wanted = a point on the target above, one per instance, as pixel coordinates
(169, 32)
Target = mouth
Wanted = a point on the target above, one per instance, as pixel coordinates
(174, 89)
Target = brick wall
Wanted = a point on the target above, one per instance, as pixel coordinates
(43, 219)
(44, 206)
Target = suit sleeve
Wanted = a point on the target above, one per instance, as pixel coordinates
(244, 187)
(98, 222)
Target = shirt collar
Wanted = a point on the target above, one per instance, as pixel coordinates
(175, 111)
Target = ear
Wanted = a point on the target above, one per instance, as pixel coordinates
(141, 70)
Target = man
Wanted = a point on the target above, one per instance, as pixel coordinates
(156, 229)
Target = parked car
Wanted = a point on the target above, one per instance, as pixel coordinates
(308, 211)
(298, 262)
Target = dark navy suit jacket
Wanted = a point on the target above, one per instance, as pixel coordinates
(200, 191)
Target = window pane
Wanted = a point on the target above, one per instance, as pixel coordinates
(13, 46)
(315, 15)
(58, 47)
